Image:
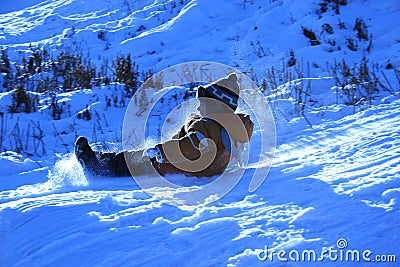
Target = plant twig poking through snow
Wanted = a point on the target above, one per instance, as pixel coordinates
(358, 84)
(38, 138)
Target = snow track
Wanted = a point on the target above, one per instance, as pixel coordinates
(121, 19)
(361, 154)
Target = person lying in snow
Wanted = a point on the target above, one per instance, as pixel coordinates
(204, 145)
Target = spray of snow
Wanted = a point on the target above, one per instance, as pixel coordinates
(67, 172)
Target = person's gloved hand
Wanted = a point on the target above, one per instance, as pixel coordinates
(154, 152)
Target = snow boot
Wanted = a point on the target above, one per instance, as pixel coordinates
(87, 157)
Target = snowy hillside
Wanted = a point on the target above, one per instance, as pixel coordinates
(330, 71)
(244, 34)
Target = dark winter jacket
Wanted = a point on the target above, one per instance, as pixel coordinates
(199, 149)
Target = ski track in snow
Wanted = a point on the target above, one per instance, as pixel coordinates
(77, 17)
(356, 153)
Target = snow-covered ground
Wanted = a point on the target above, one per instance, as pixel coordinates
(333, 188)
(338, 180)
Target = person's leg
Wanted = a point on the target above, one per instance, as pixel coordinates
(87, 157)
(114, 163)
(99, 163)
(138, 163)
(127, 163)
(111, 163)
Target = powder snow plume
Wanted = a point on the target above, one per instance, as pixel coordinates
(67, 172)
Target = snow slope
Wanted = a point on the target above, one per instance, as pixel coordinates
(339, 180)
(332, 184)
(249, 35)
